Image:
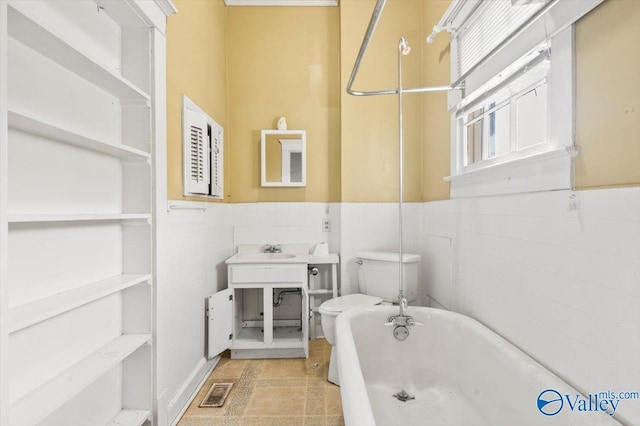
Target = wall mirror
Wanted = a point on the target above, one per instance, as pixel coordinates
(283, 157)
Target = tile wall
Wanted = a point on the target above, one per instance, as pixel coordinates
(374, 227)
(193, 243)
(196, 240)
(286, 223)
(556, 275)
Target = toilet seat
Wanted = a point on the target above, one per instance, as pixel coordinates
(333, 307)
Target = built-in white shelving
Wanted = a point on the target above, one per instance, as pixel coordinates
(37, 126)
(80, 103)
(38, 404)
(31, 313)
(36, 33)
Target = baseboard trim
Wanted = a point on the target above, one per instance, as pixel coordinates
(189, 389)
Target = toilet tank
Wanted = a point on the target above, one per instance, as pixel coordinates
(379, 275)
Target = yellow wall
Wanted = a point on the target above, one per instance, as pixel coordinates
(196, 66)
(283, 61)
(436, 150)
(608, 95)
(370, 124)
(295, 62)
(607, 100)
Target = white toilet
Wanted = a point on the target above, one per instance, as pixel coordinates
(378, 281)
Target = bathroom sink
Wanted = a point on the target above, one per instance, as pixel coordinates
(266, 256)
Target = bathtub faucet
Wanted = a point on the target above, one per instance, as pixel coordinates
(401, 324)
(402, 320)
(402, 302)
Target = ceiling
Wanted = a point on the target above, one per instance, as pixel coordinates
(281, 2)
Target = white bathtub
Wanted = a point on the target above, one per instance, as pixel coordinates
(460, 372)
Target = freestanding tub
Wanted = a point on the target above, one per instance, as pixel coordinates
(460, 372)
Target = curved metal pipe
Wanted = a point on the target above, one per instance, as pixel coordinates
(278, 300)
(373, 23)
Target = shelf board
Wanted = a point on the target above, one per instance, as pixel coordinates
(27, 123)
(28, 314)
(122, 13)
(276, 344)
(250, 335)
(286, 335)
(39, 35)
(130, 418)
(283, 338)
(44, 400)
(89, 217)
(320, 292)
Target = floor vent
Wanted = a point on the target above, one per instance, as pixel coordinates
(217, 395)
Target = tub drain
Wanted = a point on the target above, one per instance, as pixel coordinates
(403, 396)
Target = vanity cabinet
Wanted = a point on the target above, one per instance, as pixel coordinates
(243, 317)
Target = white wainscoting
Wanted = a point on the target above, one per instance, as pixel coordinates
(374, 227)
(561, 283)
(196, 240)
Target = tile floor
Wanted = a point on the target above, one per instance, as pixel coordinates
(275, 392)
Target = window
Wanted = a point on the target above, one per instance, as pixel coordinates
(203, 153)
(512, 123)
(504, 121)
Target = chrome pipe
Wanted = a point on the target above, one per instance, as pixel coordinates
(425, 89)
(402, 47)
(450, 14)
(373, 23)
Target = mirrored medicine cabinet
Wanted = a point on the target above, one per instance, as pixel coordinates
(283, 158)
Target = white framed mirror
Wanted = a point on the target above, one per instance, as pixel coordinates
(283, 155)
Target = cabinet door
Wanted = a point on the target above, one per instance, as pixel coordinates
(305, 321)
(219, 322)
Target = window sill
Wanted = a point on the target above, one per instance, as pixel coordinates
(532, 158)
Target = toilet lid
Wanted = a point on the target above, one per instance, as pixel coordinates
(342, 303)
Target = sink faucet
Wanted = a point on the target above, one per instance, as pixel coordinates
(273, 248)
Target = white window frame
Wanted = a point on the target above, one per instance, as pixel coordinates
(212, 186)
(547, 166)
(507, 89)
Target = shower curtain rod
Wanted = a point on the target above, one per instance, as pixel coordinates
(459, 84)
(375, 17)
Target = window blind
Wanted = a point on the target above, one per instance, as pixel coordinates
(490, 24)
(195, 152)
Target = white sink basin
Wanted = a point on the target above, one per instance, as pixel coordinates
(266, 256)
